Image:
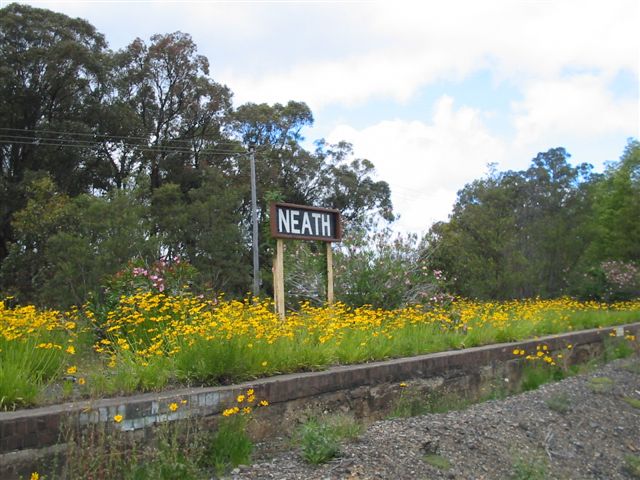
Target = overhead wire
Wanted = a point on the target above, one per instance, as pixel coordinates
(41, 139)
(48, 138)
(151, 148)
(94, 135)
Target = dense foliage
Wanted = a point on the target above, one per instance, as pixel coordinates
(137, 154)
(549, 230)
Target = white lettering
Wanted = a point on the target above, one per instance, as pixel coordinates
(284, 223)
(316, 217)
(306, 224)
(326, 225)
(295, 221)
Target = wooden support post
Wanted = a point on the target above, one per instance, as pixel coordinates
(329, 274)
(278, 278)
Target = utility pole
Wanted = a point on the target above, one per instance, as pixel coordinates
(254, 221)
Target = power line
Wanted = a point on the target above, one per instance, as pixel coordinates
(76, 143)
(52, 142)
(48, 138)
(103, 135)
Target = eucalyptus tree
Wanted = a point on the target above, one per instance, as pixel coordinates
(180, 112)
(517, 234)
(51, 69)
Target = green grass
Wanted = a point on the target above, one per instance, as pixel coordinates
(632, 465)
(344, 426)
(176, 451)
(25, 371)
(100, 452)
(535, 375)
(412, 403)
(437, 461)
(634, 402)
(229, 446)
(24, 374)
(600, 384)
(318, 442)
(319, 438)
(534, 468)
(559, 403)
(616, 348)
(409, 404)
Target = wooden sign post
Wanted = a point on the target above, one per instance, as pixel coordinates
(278, 278)
(299, 222)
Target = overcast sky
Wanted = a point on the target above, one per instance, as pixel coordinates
(429, 91)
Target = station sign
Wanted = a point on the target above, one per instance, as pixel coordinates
(305, 223)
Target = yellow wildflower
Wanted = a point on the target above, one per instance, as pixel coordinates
(118, 418)
(230, 411)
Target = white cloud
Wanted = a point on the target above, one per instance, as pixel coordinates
(578, 106)
(414, 44)
(426, 163)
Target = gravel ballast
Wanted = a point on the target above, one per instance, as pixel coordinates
(583, 427)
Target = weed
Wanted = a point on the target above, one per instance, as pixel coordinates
(413, 403)
(448, 403)
(171, 451)
(437, 461)
(320, 438)
(633, 367)
(634, 402)
(498, 390)
(615, 348)
(319, 443)
(632, 465)
(600, 384)
(535, 375)
(229, 446)
(410, 404)
(529, 469)
(345, 427)
(559, 403)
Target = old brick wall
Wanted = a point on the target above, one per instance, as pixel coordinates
(367, 390)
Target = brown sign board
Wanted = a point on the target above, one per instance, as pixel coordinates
(302, 222)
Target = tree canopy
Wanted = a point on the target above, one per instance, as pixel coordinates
(139, 153)
(550, 230)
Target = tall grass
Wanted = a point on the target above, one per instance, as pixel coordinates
(149, 341)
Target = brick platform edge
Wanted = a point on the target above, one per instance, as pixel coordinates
(366, 390)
